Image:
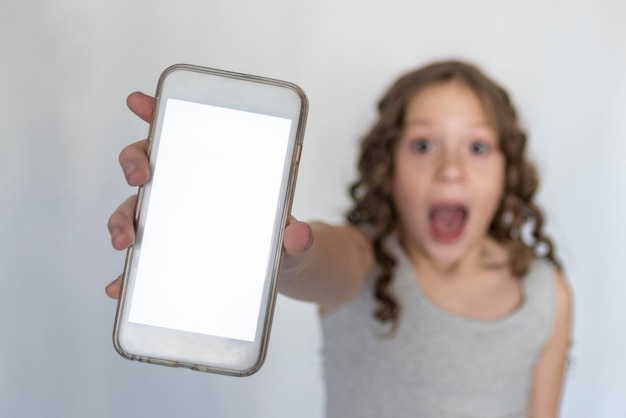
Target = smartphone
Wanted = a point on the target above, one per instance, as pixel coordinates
(200, 281)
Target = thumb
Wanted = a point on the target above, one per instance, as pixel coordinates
(298, 237)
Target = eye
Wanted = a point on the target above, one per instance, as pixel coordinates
(479, 148)
(421, 145)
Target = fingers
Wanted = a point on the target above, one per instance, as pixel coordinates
(298, 237)
(135, 164)
(122, 229)
(121, 224)
(113, 289)
(141, 105)
(134, 158)
(136, 168)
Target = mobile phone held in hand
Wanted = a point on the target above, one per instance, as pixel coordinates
(200, 281)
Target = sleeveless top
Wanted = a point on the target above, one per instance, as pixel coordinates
(436, 364)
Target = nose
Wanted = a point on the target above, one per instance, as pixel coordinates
(450, 168)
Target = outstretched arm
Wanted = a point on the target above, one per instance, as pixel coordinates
(333, 268)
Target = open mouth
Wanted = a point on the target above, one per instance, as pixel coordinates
(447, 222)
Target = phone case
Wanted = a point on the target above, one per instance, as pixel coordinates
(147, 342)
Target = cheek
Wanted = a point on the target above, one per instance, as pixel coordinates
(412, 174)
(409, 197)
(491, 188)
(492, 170)
(409, 183)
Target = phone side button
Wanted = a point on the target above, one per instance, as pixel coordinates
(298, 152)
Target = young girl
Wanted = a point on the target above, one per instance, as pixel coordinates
(442, 296)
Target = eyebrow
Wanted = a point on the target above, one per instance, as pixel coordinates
(418, 121)
(426, 122)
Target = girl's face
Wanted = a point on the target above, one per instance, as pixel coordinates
(449, 173)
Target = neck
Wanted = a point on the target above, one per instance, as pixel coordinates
(426, 265)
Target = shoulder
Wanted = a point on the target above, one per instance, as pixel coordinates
(556, 288)
(552, 363)
(563, 300)
(548, 292)
(547, 275)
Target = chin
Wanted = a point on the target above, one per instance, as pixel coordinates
(446, 262)
(447, 256)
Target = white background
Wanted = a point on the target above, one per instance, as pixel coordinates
(67, 68)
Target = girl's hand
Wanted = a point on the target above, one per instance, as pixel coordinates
(298, 238)
(136, 167)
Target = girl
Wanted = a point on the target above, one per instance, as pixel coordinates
(442, 297)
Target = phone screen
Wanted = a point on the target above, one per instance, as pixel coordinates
(207, 230)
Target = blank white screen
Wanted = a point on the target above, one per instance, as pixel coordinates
(209, 222)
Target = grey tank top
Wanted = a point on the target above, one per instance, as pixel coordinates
(436, 364)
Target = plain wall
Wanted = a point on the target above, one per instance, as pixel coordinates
(68, 67)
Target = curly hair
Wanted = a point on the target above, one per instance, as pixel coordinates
(518, 224)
